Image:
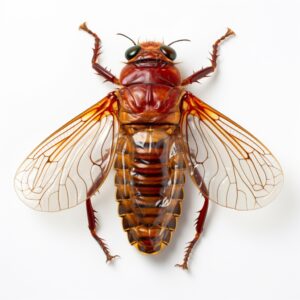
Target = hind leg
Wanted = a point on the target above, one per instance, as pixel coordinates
(92, 219)
(199, 227)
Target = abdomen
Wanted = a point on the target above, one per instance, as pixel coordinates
(149, 179)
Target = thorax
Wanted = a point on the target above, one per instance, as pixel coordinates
(150, 94)
(149, 103)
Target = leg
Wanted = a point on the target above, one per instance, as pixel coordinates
(205, 71)
(92, 226)
(199, 227)
(99, 69)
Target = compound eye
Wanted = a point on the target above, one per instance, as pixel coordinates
(132, 52)
(168, 52)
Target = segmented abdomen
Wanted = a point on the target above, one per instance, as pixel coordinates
(149, 179)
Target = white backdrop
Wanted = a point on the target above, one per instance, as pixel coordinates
(46, 79)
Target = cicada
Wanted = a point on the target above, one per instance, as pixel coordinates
(153, 131)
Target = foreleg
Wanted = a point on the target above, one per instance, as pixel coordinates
(214, 55)
(97, 50)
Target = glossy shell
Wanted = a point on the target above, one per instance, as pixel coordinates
(149, 179)
(149, 162)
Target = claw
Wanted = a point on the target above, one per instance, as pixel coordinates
(83, 26)
(229, 32)
(184, 266)
(110, 258)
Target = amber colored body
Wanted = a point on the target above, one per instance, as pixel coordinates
(149, 179)
(149, 163)
(151, 129)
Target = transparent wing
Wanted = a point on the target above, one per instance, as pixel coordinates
(72, 163)
(237, 169)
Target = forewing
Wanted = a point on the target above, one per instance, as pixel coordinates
(238, 171)
(72, 163)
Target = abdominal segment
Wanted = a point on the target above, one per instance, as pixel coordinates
(149, 179)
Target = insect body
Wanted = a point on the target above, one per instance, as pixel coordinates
(152, 130)
(150, 162)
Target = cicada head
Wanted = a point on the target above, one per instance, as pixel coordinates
(150, 62)
(150, 54)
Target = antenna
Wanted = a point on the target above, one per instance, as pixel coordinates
(181, 40)
(134, 43)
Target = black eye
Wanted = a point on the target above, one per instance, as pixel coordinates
(168, 52)
(132, 52)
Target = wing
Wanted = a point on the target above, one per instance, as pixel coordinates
(72, 163)
(236, 169)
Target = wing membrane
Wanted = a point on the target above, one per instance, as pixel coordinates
(237, 169)
(72, 163)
